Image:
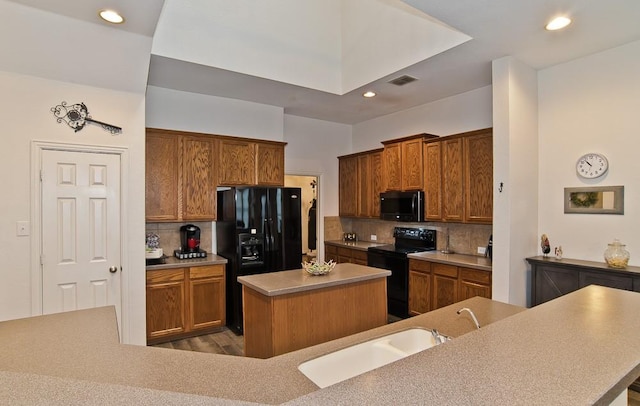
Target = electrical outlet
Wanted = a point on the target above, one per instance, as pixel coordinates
(22, 228)
(482, 250)
(374, 237)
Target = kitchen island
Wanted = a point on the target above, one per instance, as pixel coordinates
(289, 310)
(578, 349)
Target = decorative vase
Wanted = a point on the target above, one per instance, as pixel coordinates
(616, 255)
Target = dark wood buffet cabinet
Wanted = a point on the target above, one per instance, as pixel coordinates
(552, 278)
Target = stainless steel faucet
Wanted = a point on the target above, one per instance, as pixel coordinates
(473, 316)
(439, 338)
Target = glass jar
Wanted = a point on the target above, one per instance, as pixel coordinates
(616, 255)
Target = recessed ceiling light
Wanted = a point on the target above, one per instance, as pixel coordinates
(111, 16)
(369, 94)
(558, 23)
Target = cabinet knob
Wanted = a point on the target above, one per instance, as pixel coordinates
(113, 269)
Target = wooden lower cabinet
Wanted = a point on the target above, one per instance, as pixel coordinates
(341, 254)
(434, 285)
(275, 325)
(184, 302)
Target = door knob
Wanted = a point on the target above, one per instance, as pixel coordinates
(113, 269)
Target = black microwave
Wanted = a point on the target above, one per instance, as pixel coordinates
(402, 206)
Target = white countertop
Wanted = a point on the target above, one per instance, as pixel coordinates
(468, 261)
(299, 280)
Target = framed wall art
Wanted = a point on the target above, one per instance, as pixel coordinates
(594, 200)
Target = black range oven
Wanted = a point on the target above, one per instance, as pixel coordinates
(393, 257)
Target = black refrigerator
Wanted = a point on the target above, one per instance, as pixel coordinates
(258, 230)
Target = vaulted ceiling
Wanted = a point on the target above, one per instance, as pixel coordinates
(315, 58)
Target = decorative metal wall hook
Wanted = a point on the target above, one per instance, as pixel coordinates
(77, 116)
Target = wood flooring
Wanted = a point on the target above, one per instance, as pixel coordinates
(227, 342)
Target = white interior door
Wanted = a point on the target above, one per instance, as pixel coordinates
(80, 231)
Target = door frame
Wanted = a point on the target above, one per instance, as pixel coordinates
(319, 209)
(37, 149)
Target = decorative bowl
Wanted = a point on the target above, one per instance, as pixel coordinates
(317, 268)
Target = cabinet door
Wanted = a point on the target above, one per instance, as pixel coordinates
(162, 166)
(474, 282)
(348, 186)
(364, 186)
(359, 257)
(552, 282)
(478, 151)
(330, 253)
(392, 159)
(165, 303)
(452, 180)
(345, 255)
(207, 297)
(199, 178)
(433, 181)
(377, 183)
(412, 164)
(270, 164)
(445, 285)
(237, 164)
(419, 287)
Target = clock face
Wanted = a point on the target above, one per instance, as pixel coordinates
(592, 165)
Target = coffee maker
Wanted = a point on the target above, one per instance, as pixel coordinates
(190, 243)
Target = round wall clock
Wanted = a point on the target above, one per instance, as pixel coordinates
(592, 165)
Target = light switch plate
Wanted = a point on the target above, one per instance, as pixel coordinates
(22, 228)
(482, 250)
(374, 237)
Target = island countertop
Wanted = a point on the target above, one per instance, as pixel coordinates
(298, 280)
(578, 349)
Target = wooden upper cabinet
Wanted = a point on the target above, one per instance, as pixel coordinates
(403, 162)
(198, 178)
(237, 162)
(452, 179)
(377, 181)
(348, 186)
(162, 166)
(361, 181)
(364, 184)
(412, 164)
(392, 164)
(270, 164)
(478, 151)
(433, 181)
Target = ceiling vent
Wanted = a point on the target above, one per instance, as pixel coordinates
(402, 80)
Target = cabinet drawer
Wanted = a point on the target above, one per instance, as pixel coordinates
(165, 275)
(475, 275)
(206, 271)
(417, 265)
(360, 255)
(346, 252)
(445, 270)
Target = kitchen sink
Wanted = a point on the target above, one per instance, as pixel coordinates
(364, 357)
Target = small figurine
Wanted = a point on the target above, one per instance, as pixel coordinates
(558, 252)
(544, 244)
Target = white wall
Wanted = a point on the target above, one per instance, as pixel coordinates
(25, 116)
(184, 111)
(464, 112)
(590, 105)
(515, 156)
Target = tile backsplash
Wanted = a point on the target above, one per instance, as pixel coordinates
(463, 238)
(169, 235)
